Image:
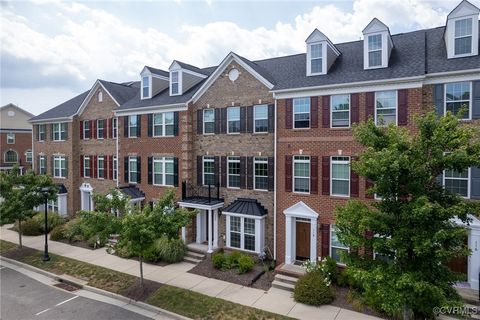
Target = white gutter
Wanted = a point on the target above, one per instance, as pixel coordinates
(45, 121)
(275, 184)
(148, 108)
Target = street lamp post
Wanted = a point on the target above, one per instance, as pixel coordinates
(46, 192)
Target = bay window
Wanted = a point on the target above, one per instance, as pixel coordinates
(244, 232)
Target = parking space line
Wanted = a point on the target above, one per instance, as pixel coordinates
(39, 313)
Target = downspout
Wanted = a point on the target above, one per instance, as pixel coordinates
(33, 150)
(275, 184)
(118, 159)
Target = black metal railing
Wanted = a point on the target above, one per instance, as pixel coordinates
(189, 190)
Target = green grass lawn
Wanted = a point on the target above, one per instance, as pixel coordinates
(181, 301)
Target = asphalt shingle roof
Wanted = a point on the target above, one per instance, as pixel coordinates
(158, 71)
(246, 206)
(122, 93)
(64, 110)
(132, 191)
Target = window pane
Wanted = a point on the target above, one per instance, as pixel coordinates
(145, 91)
(316, 66)
(463, 45)
(235, 240)
(375, 58)
(302, 169)
(340, 187)
(340, 171)
(249, 226)
(375, 42)
(334, 242)
(456, 174)
(463, 27)
(337, 254)
(249, 242)
(458, 186)
(316, 50)
(301, 111)
(235, 224)
(301, 185)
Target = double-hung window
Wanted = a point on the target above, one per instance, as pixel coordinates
(52, 205)
(457, 182)
(59, 131)
(163, 124)
(301, 113)
(208, 121)
(132, 126)
(114, 127)
(132, 170)
(233, 172)
(336, 247)
(28, 155)
(261, 173)
(316, 58)
(260, 114)
(100, 129)
(10, 138)
(87, 171)
(242, 233)
(175, 84)
(457, 96)
(101, 167)
(463, 36)
(385, 107)
(42, 165)
(375, 50)
(163, 171)
(41, 132)
(59, 167)
(145, 87)
(340, 111)
(114, 169)
(233, 118)
(86, 129)
(301, 174)
(208, 171)
(340, 182)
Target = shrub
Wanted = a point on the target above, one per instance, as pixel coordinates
(245, 264)
(218, 260)
(57, 233)
(313, 289)
(171, 250)
(73, 230)
(96, 242)
(122, 251)
(30, 227)
(231, 260)
(53, 220)
(330, 269)
(153, 253)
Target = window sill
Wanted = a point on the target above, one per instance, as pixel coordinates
(301, 129)
(261, 133)
(59, 177)
(234, 188)
(261, 190)
(59, 140)
(163, 185)
(341, 128)
(162, 136)
(302, 193)
(339, 196)
(233, 133)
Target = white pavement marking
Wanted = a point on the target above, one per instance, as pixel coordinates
(39, 313)
(59, 304)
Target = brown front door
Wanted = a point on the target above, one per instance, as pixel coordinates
(302, 243)
(459, 264)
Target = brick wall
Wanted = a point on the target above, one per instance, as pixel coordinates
(23, 142)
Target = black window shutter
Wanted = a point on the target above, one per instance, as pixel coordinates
(150, 170)
(326, 175)
(36, 132)
(354, 108)
(200, 121)
(476, 100)
(216, 168)
(150, 124)
(81, 166)
(250, 119)
(66, 167)
(81, 130)
(175, 123)
(52, 165)
(271, 118)
(199, 170)
(326, 111)
(243, 167)
(139, 169)
(475, 183)
(325, 239)
(288, 113)
(175, 172)
(314, 112)
(250, 170)
(224, 171)
(224, 120)
(369, 105)
(402, 107)
(271, 174)
(66, 131)
(218, 120)
(125, 169)
(243, 119)
(314, 175)
(51, 132)
(125, 126)
(90, 128)
(438, 98)
(288, 173)
(139, 125)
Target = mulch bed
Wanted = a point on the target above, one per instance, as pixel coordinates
(265, 281)
(18, 254)
(342, 300)
(136, 292)
(206, 269)
(81, 244)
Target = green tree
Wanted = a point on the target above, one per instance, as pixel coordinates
(138, 235)
(20, 194)
(114, 202)
(168, 218)
(413, 223)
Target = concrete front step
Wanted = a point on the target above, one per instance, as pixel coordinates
(191, 260)
(195, 255)
(286, 279)
(283, 285)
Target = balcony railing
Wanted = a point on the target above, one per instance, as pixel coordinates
(210, 192)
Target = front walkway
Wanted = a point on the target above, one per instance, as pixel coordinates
(273, 300)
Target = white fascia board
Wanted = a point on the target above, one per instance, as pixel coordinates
(200, 206)
(193, 73)
(52, 120)
(150, 109)
(453, 76)
(90, 95)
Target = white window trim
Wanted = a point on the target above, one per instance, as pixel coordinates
(349, 111)
(149, 87)
(11, 135)
(255, 119)
(203, 121)
(40, 132)
(114, 127)
(381, 51)
(331, 176)
(472, 42)
(130, 160)
(98, 167)
(60, 159)
(52, 205)
(396, 108)
(239, 120)
(85, 129)
(130, 126)
(309, 113)
(103, 129)
(44, 167)
(59, 131)
(179, 81)
(470, 102)
(322, 58)
(255, 161)
(163, 124)
(115, 168)
(229, 160)
(309, 177)
(5, 156)
(203, 168)
(163, 162)
(86, 159)
(100, 96)
(258, 233)
(469, 181)
(29, 151)
(332, 229)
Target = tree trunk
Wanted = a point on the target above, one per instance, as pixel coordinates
(20, 233)
(405, 313)
(141, 271)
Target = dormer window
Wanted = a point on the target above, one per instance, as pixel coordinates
(174, 83)
(375, 50)
(316, 58)
(321, 54)
(146, 87)
(463, 36)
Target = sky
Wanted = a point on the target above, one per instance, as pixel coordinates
(50, 50)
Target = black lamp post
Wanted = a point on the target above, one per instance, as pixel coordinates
(46, 193)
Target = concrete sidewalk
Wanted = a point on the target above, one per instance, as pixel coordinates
(273, 300)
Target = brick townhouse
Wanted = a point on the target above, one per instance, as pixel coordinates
(15, 138)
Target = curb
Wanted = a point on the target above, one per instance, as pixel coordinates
(112, 295)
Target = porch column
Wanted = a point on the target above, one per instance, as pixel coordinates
(184, 235)
(209, 237)
(288, 240)
(199, 228)
(313, 240)
(215, 228)
(474, 259)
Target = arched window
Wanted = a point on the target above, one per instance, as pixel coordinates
(100, 96)
(11, 156)
(28, 155)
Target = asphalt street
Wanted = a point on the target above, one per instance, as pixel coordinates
(22, 297)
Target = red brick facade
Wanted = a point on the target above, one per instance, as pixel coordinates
(23, 142)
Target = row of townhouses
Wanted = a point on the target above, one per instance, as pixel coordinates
(262, 149)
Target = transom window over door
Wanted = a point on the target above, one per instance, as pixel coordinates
(208, 170)
(301, 113)
(233, 172)
(261, 118)
(316, 58)
(340, 110)
(340, 176)
(301, 174)
(163, 171)
(457, 96)
(385, 107)
(233, 118)
(463, 36)
(375, 50)
(261, 173)
(208, 121)
(336, 247)
(163, 124)
(457, 182)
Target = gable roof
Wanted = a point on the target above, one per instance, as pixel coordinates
(465, 6)
(300, 209)
(64, 110)
(11, 105)
(160, 72)
(187, 66)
